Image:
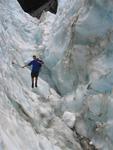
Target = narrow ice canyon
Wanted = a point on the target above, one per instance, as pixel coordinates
(72, 107)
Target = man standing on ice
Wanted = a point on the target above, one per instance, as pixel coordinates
(36, 64)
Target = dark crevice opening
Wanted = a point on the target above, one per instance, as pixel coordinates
(36, 7)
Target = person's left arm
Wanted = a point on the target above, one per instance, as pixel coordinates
(40, 61)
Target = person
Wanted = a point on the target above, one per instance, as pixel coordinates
(36, 64)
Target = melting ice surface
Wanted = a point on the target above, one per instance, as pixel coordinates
(72, 107)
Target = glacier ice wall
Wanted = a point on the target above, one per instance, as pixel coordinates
(81, 32)
(72, 107)
(29, 117)
(80, 58)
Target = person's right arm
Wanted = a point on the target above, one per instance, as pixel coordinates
(24, 66)
(29, 64)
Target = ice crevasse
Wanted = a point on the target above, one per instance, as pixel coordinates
(74, 101)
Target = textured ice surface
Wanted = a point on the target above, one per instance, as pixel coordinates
(80, 58)
(28, 117)
(74, 97)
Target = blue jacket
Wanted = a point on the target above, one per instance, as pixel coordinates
(36, 65)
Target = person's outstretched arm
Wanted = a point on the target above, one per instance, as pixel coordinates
(29, 64)
(24, 66)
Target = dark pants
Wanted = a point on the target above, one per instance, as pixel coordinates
(34, 75)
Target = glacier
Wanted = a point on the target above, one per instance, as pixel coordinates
(73, 105)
